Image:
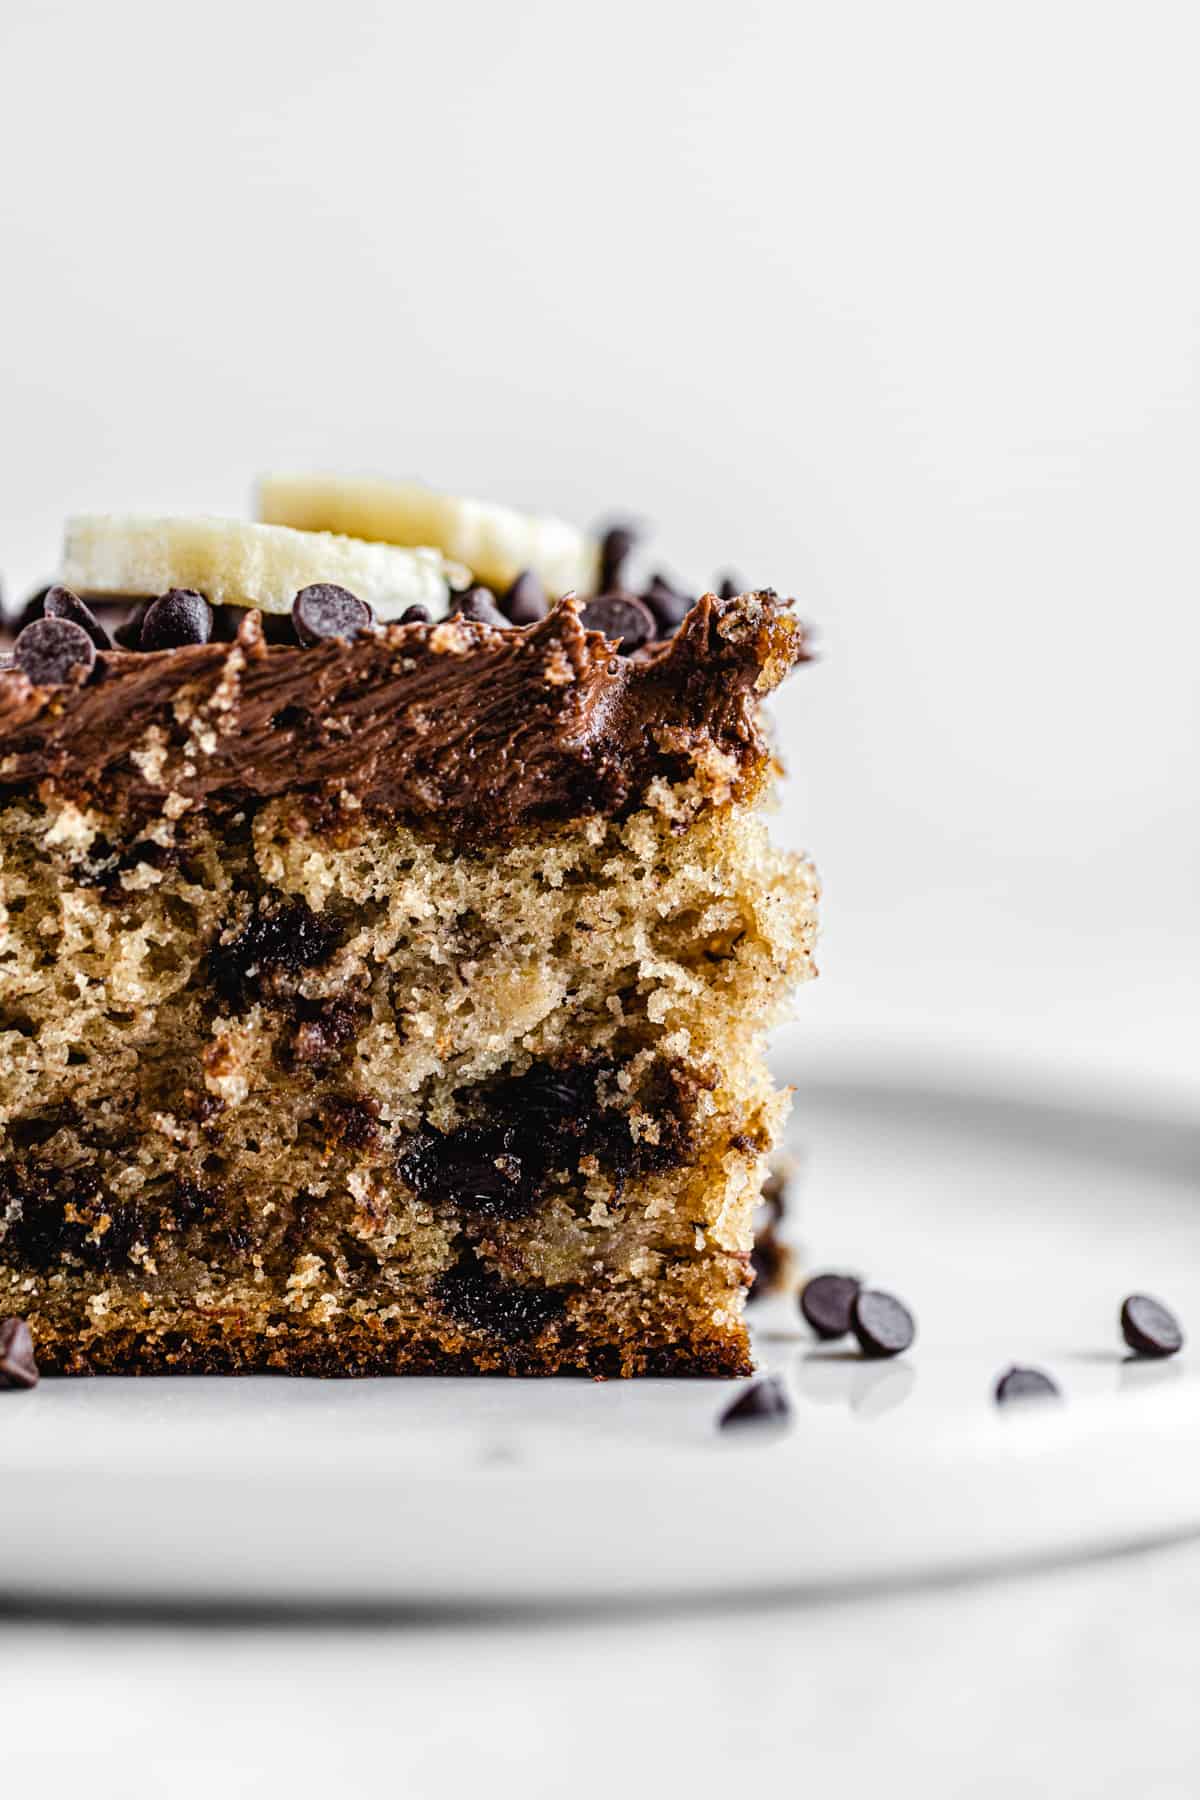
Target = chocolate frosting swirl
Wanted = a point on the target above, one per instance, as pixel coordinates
(458, 727)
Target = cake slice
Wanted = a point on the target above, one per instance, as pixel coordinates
(391, 999)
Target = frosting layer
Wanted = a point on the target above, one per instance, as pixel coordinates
(458, 726)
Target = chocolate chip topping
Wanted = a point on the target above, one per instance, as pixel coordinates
(1025, 1384)
(730, 586)
(416, 614)
(525, 602)
(882, 1324)
(478, 603)
(52, 652)
(17, 1366)
(61, 603)
(622, 617)
(827, 1302)
(1149, 1327)
(325, 611)
(180, 616)
(466, 732)
(616, 546)
(763, 1403)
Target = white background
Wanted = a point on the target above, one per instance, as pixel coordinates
(895, 306)
(891, 306)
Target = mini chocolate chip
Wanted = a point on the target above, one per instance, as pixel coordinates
(177, 618)
(61, 603)
(730, 586)
(827, 1301)
(622, 617)
(1025, 1384)
(616, 546)
(763, 1403)
(669, 606)
(324, 611)
(525, 602)
(882, 1324)
(54, 651)
(1149, 1327)
(770, 1260)
(479, 604)
(416, 614)
(17, 1366)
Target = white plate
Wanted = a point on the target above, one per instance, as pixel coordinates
(1014, 1228)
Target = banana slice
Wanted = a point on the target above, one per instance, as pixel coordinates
(235, 564)
(495, 542)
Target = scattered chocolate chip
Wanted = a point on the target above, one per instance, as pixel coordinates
(54, 651)
(325, 611)
(61, 603)
(1025, 1384)
(1149, 1327)
(882, 1324)
(622, 617)
(177, 618)
(416, 614)
(827, 1302)
(525, 602)
(770, 1263)
(479, 604)
(730, 586)
(669, 607)
(17, 1366)
(616, 546)
(763, 1403)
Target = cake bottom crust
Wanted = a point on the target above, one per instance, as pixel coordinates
(206, 1347)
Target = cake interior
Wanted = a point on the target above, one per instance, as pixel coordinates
(277, 1093)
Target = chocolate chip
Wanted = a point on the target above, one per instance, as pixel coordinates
(479, 604)
(616, 546)
(324, 611)
(177, 618)
(622, 617)
(416, 614)
(485, 1302)
(1025, 1384)
(763, 1403)
(769, 1262)
(61, 603)
(669, 606)
(882, 1324)
(17, 1366)
(525, 602)
(1149, 1327)
(827, 1302)
(478, 1169)
(54, 651)
(730, 586)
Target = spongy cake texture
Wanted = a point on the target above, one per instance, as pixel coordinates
(341, 1098)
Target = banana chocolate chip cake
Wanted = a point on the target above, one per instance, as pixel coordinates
(387, 946)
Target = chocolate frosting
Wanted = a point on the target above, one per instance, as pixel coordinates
(458, 726)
